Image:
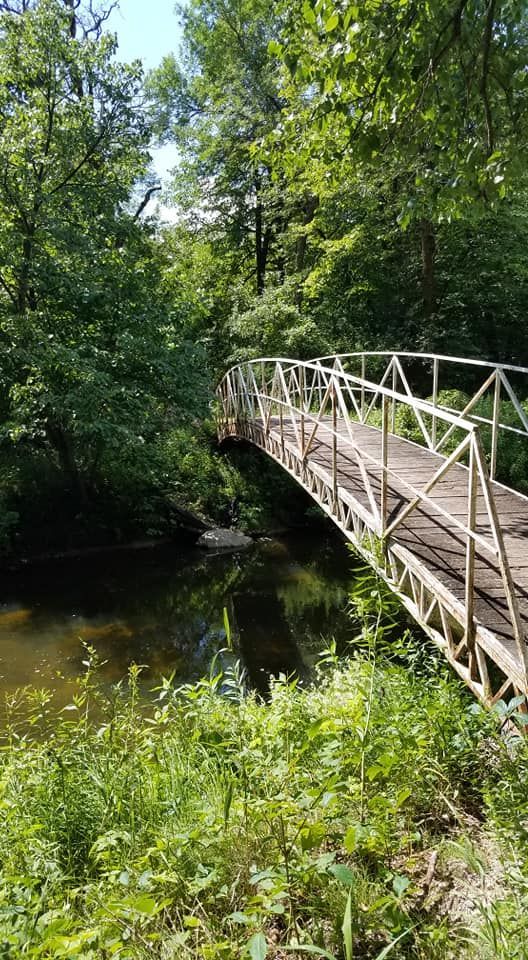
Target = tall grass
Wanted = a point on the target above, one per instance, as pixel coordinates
(207, 824)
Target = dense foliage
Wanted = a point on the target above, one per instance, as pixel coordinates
(93, 363)
(335, 820)
(348, 177)
(383, 204)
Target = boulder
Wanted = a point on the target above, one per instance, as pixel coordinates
(220, 539)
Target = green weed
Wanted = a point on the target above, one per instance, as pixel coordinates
(206, 824)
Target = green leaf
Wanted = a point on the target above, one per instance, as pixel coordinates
(343, 873)
(227, 628)
(353, 837)
(315, 727)
(239, 917)
(373, 771)
(403, 795)
(386, 950)
(71, 946)
(275, 49)
(257, 947)
(519, 700)
(521, 718)
(347, 929)
(308, 12)
(400, 883)
(332, 23)
(228, 799)
(145, 905)
(312, 836)
(351, 13)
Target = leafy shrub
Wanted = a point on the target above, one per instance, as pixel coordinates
(207, 824)
(273, 326)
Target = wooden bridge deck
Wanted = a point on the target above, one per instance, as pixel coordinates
(458, 556)
(427, 533)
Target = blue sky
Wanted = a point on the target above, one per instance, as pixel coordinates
(147, 30)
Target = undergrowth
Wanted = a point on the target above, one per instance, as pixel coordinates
(330, 821)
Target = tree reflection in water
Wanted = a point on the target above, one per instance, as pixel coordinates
(164, 608)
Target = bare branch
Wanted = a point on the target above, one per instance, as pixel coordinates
(99, 17)
(145, 201)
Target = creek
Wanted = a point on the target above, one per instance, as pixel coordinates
(162, 607)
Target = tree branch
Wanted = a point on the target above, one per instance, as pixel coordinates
(99, 17)
(455, 21)
(144, 202)
(75, 170)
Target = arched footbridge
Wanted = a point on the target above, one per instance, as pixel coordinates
(406, 453)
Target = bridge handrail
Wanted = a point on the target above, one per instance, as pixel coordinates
(486, 545)
(468, 361)
(424, 406)
(498, 383)
(388, 394)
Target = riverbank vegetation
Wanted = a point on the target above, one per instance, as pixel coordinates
(315, 210)
(378, 811)
(350, 176)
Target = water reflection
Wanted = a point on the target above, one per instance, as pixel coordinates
(164, 609)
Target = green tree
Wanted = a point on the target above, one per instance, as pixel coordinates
(222, 99)
(90, 358)
(431, 99)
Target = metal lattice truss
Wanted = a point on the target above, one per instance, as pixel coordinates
(293, 410)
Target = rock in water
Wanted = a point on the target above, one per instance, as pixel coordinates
(220, 539)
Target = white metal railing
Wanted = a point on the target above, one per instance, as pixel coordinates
(496, 385)
(299, 403)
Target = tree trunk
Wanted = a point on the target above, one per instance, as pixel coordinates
(428, 267)
(260, 251)
(308, 212)
(25, 293)
(62, 444)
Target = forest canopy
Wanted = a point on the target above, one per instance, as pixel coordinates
(349, 176)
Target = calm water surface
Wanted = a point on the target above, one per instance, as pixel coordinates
(162, 607)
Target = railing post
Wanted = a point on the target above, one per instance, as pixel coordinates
(435, 399)
(248, 392)
(281, 409)
(363, 378)
(301, 405)
(393, 404)
(250, 399)
(495, 425)
(239, 397)
(384, 462)
(470, 559)
(334, 448)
